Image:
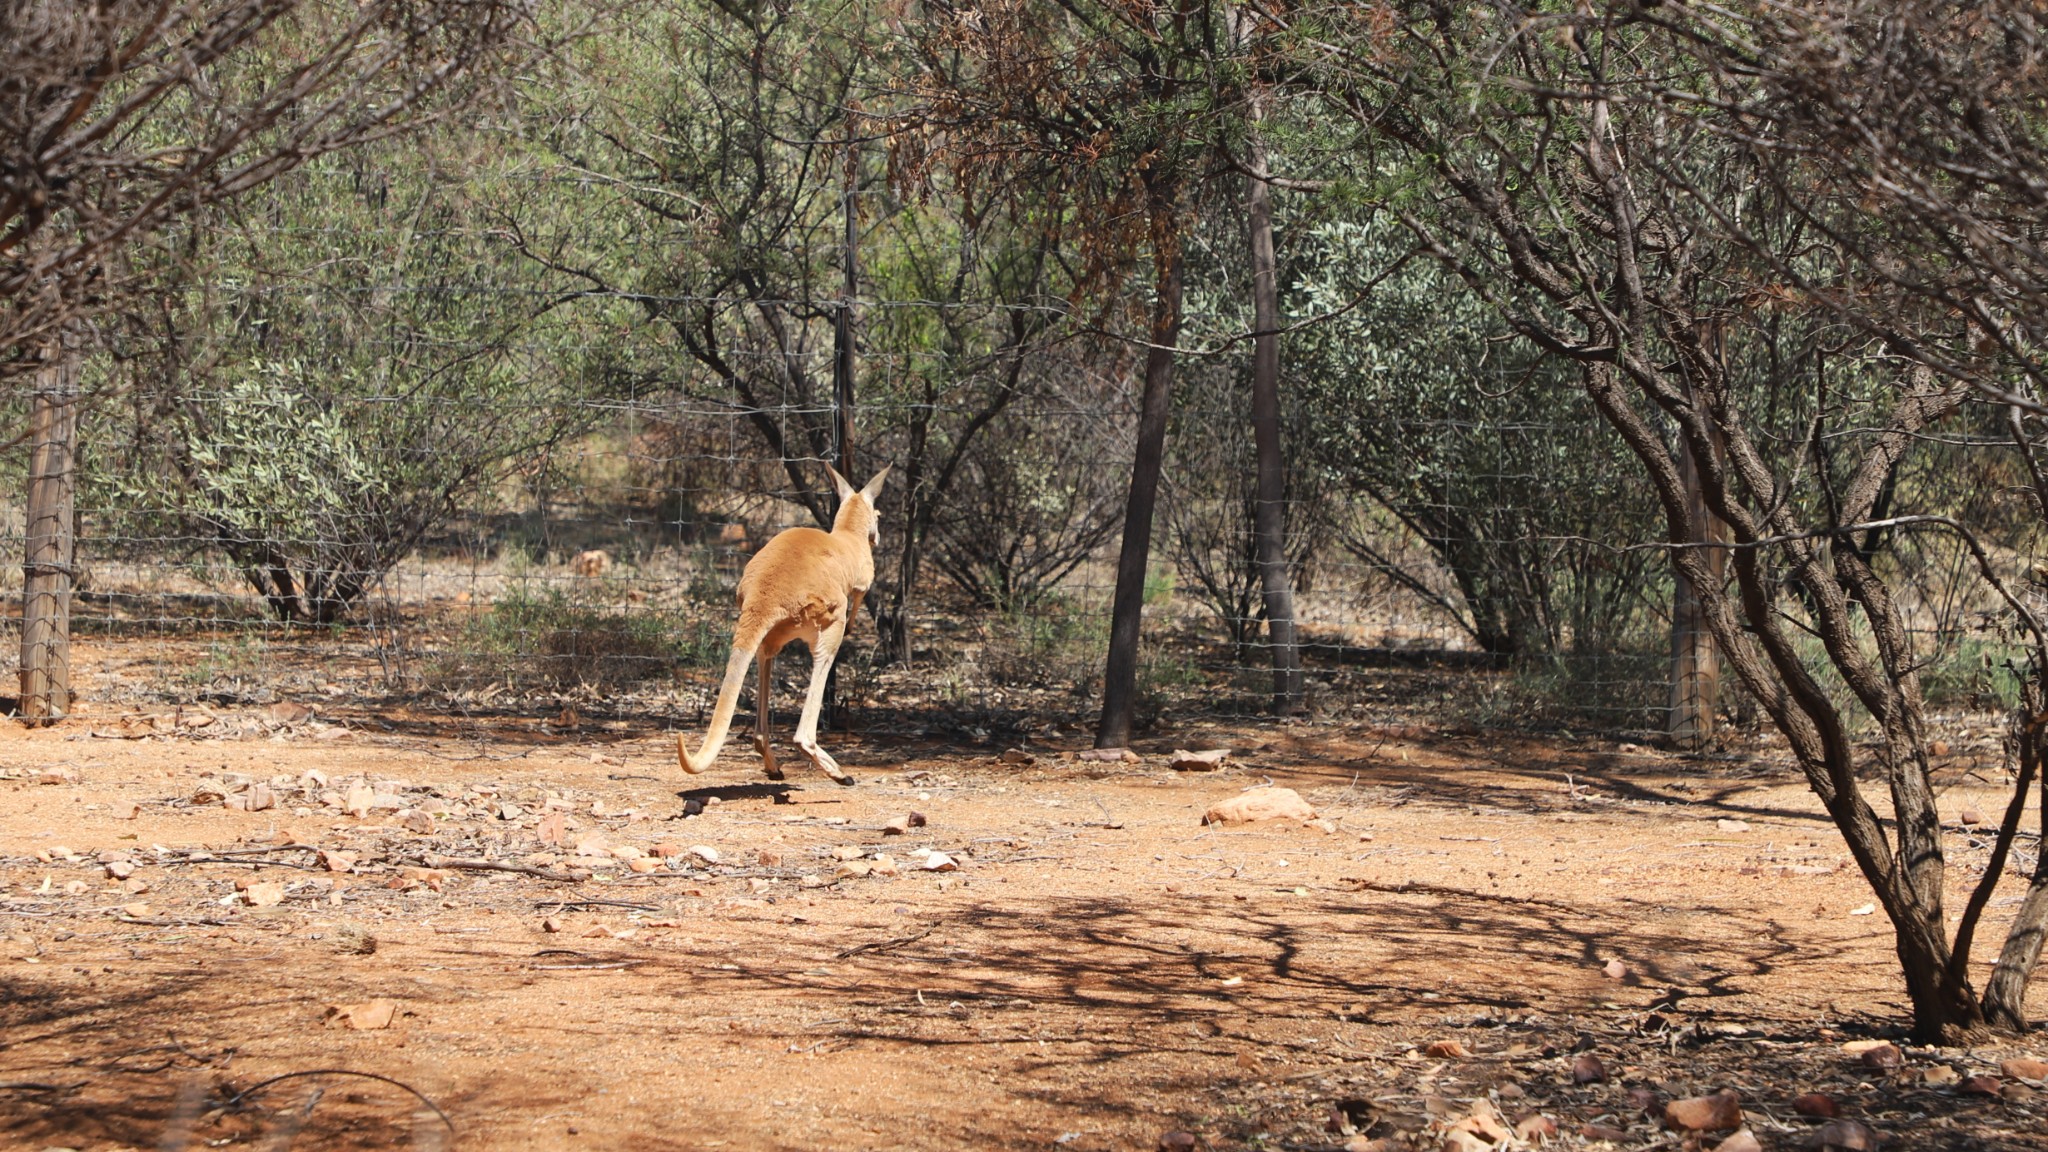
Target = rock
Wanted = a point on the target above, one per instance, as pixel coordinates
(1605, 1132)
(2024, 1068)
(917, 820)
(1110, 755)
(415, 821)
(1716, 1113)
(897, 826)
(1940, 748)
(125, 809)
(2017, 1094)
(1732, 826)
(1209, 761)
(848, 852)
(1446, 1050)
(1939, 1075)
(885, 865)
(119, 869)
(1534, 1127)
(553, 828)
(1882, 1057)
(1260, 804)
(263, 893)
(255, 798)
(1980, 1085)
(1817, 1104)
(1179, 1142)
(336, 860)
(1614, 970)
(626, 852)
(769, 858)
(705, 852)
(665, 849)
(1587, 1069)
(551, 924)
(137, 911)
(286, 712)
(646, 864)
(1743, 1141)
(507, 810)
(854, 869)
(1969, 816)
(1844, 1136)
(1457, 1140)
(938, 862)
(1018, 756)
(1644, 1100)
(365, 1017)
(1484, 1123)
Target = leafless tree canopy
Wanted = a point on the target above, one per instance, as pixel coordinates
(117, 115)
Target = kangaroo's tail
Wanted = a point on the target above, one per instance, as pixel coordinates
(736, 666)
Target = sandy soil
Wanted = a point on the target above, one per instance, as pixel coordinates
(1099, 970)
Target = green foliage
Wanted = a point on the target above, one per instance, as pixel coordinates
(544, 638)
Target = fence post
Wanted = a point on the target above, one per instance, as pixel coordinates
(1695, 658)
(46, 569)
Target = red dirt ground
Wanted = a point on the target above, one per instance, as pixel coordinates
(1101, 969)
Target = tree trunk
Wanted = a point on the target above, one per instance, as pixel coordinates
(1269, 510)
(47, 571)
(1120, 677)
(1695, 659)
(842, 380)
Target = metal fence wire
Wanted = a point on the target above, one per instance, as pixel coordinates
(317, 501)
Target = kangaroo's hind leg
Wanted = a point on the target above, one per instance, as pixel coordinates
(761, 710)
(823, 651)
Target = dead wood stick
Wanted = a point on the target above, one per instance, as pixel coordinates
(881, 945)
(573, 876)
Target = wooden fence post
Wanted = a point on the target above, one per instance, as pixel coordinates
(46, 569)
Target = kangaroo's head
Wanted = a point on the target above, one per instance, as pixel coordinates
(857, 511)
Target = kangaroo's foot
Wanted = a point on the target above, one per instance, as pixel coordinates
(824, 761)
(769, 767)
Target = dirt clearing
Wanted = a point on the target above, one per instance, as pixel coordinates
(527, 931)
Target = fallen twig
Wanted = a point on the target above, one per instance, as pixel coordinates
(597, 904)
(235, 1100)
(572, 876)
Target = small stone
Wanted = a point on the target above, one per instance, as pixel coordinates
(509, 811)
(1816, 1104)
(1533, 1128)
(1882, 1057)
(1743, 1141)
(1614, 970)
(1716, 1113)
(1179, 1142)
(1844, 1136)
(885, 865)
(1727, 825)
(365, 1017)
(2024, 1068)
(1447, 1050)
(848, 852)
(551, 924)
(138, 911)
(769, 858)
(1980, 1085)
(1207, 761)
(854, 869)
(416, 821)
(263, 894)
(708, 854)
(255, 798)
(627, 852)
(1970, 816)
(1939, 1075)
(1940, 748)
(937, 862)
(646, 864)
(897, 826)
(1260, 804)
(1605, 1132)
(119, 869)
(125, 809)
(1644, 1100)
(1018, 756)
(1587, 1069)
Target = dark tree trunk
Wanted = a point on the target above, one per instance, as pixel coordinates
(1120, 677)
(1269, 510)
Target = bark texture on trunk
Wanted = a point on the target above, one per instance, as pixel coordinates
(1120, 676)
(47, 561)
(1269, 508)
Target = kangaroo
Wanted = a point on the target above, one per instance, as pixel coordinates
(803, 585)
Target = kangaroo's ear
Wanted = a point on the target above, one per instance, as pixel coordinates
(874, 487)
(839, 483)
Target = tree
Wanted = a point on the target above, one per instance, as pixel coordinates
(1107, 110)
(121, 115)
(1545, 166)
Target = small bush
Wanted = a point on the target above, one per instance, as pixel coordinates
(548, 639)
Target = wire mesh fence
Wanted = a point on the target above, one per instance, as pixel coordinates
(422, 520)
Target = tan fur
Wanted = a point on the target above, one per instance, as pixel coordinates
(803, 585)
